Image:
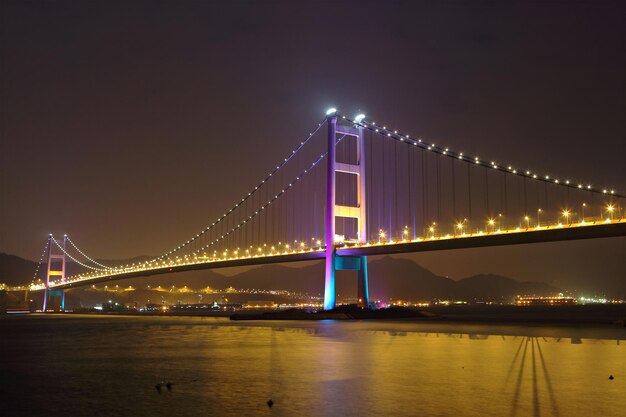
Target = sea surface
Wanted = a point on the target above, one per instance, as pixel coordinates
(72, 365)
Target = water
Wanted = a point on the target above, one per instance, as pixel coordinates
(108, 366)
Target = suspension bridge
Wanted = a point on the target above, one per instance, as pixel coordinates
(354, 188)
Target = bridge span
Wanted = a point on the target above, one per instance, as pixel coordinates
(364, 190)
(517, 236)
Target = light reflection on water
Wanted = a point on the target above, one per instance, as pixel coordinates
(74, 365)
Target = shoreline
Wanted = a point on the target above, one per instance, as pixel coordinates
(608, 315)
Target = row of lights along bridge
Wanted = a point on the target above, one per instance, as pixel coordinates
(497, 225)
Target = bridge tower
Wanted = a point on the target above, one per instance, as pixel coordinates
(56, 269)
(358, 212)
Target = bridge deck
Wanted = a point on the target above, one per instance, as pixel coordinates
(497, 239)
(514, 237)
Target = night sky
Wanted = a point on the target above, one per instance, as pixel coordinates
(129, 125)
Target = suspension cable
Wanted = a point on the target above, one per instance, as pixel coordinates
(382, 131)
(246, 197)
(87, 257)
(74, 259)
(43, 253)
(264, 206)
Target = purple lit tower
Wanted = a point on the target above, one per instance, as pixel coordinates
(56, 269)
(358, 212)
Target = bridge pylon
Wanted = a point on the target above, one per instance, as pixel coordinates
(56, 269)
(333, 261)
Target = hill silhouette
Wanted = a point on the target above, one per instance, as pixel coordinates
(15, 270)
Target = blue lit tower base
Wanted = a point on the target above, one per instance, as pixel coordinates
(49, 301)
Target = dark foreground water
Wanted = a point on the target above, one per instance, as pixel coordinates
(108, 366)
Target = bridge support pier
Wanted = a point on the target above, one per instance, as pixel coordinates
(363, 285)
(48, 294)
(329, 281)
(347, 263)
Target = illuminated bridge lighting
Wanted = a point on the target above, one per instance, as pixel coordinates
(267, 251)
(427, 197)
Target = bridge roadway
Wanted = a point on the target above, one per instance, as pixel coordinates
(517, 236)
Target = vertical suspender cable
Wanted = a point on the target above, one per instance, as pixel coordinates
(279, 218)
(298, 212)
(414, 175)
(487, 192)
(395, 178)
(453, 190)
(292, 233)
(525, 198)
(438, 163)
(469, 191)
(267, 214)
(519, 194)
(238, 232)
(315, 186)
(380, 208)
(306, 216)
(506, 205)
(384, 198)
(424, 190)
(370, 179)
(409, 170)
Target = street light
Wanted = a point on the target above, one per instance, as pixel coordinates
(610, 208)
(405, 232)
(527, 222)
(459, 226)
(566, 214)
(491, 223)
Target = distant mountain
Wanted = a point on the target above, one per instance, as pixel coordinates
(306, 279)
(15, 270)
(404, 279)
(396, 278)
(388, 278)
(498, 287)
(19, 271)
